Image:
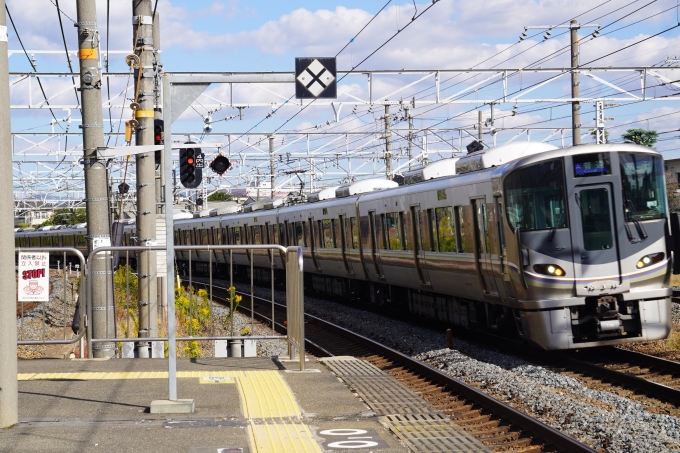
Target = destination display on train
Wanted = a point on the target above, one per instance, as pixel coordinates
(592, 165)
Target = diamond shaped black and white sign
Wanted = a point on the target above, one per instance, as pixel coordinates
(316, 78)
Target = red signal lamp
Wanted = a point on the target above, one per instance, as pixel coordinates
(190, 160)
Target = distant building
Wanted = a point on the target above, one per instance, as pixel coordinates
(31, 212)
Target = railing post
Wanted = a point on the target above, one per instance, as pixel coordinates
(295, 302)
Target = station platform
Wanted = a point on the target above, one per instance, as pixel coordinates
(242, 405)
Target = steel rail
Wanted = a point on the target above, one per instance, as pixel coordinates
(548, 434)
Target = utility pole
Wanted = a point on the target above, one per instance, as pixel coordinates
(96, 181)
(142, 31)
(388, 144)
(9, 391)
(410, 137)
(575, 89)
(272, 178)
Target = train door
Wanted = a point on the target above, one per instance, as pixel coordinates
(594, 240)
(504, 281)
(483, 246)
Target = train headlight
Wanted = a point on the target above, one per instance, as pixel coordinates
(648, 260)
(549, 269)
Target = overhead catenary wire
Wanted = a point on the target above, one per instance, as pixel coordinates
(31, 62)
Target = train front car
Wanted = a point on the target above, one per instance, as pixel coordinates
(588, 229)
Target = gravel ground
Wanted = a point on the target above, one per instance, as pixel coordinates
(31, 326)
(603, 420)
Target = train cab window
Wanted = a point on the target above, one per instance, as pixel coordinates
(535, 197)
(596, 219)
(460, 229)
(393, 230)
(644, 191)
(446, 234)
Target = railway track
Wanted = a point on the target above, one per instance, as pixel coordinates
(497, 425)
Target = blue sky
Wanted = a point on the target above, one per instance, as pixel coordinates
(260, 35)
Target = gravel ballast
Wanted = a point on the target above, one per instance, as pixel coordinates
(603, 420)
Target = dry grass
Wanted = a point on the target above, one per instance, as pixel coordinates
(675, 280)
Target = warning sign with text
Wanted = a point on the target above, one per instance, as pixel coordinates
(34, 277)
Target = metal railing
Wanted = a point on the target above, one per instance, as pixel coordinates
(294, 298)
(26, 309)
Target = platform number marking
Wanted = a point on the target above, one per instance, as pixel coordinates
(349, 438)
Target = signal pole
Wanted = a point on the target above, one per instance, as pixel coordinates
(388, 144)
(146, 172)
(96, 181)
(9, 391)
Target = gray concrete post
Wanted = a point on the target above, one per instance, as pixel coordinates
(9, 394)
(146, 172)
(388, 144)
(575, 89)
(295, 303)
(96, 181)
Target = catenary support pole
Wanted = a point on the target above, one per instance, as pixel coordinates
(142, 30)
(479, 126)
(410, 137)
(160, 174)
(96, 182)
(272, 179)
(9, 394)
(575, 89)
(388, 144)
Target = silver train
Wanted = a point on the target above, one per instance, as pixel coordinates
(565, 248)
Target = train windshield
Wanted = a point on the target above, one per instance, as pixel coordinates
(643, 186)
(534, 197)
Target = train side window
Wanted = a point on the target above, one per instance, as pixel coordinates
(382, 241)
(175, 236)
(354, 232)
(298, 234)
(406, 230)
(275, 234)
(417, 229)
(203, 234)
(425, 229)
(266, 234)
(284, 233)
(16, 242)
(393, 231)
(68, 240)
(46, 241)
(327, 233)
(308, 238)
(257, 235)
(236, 235)
(320, 234)
(373, 226)
(217, 233)
(446, 233)
(335, 229)
(460, 229)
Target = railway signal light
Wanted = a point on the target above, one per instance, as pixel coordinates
(190, 174)
(220, 164)
(123, 188)
(158, 137)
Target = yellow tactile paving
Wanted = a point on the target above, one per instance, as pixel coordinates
(264, 394)
(275, 438)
